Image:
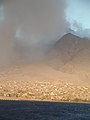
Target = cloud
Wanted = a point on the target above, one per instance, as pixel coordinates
(78, 17)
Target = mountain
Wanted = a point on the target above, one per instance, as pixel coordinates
(63, 75)
(70, 54)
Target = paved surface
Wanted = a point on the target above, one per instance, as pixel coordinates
(28, 110)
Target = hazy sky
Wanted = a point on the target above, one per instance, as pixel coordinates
(34, 16)
(29, 26)
(78, 15)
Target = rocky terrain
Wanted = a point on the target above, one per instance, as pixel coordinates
(34, 84)
(56, 91)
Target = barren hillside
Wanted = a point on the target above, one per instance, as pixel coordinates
(71, 54)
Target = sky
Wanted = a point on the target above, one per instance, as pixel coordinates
(78, 16)
(29, 27)
(45, 17)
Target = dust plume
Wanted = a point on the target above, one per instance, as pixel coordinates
(28, 28)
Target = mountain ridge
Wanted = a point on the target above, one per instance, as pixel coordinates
(71, 50)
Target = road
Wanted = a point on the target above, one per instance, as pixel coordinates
(32, 110)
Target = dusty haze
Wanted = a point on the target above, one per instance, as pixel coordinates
(29, 27)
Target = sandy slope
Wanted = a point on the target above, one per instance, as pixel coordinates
(40, 82)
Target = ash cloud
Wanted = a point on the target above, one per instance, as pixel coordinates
(28, 28)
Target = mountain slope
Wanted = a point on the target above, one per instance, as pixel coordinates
(70, 54)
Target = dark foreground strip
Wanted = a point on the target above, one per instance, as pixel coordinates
(32, 110)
